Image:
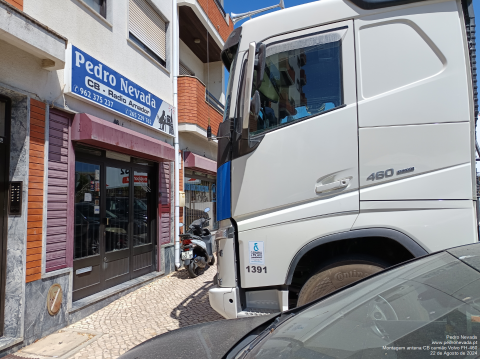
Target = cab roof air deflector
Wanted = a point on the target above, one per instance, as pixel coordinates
(378, 4)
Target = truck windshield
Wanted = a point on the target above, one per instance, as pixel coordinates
(229, 88)
(303, 77)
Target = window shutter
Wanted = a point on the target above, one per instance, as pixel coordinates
(147, 26)
(184, 70)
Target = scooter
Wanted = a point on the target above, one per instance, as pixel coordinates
(196, 247)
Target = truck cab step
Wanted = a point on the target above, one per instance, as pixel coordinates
(254, 312)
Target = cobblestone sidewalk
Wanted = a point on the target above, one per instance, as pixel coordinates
(169, 303)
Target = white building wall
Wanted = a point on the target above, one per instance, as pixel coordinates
(215, 80)
(214, 77)
(191, 61)
(198, 145)
(107, 41)
(23, 71)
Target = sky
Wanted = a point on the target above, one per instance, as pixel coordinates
(238, 7)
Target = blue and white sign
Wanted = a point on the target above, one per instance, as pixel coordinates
(93, 81)
(257, 252)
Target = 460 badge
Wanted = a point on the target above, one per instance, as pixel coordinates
(388, 173)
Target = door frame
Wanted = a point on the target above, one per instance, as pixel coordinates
(4, 182)
(105, 162)
(89, 260)
(153, 229)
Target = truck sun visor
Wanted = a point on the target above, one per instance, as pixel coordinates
(231, 47)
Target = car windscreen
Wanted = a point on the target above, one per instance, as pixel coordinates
(424, 308)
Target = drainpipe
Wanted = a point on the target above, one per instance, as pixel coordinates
(175, 60)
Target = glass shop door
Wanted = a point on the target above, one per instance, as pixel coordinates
(115, 231)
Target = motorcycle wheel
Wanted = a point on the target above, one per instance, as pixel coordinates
(212, 262)
(193, 270)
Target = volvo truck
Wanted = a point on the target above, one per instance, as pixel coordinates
(347, 146)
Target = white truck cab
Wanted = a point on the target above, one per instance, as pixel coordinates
(348, 145)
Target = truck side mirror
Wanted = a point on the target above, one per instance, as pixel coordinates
(248, 85)
(260, 65)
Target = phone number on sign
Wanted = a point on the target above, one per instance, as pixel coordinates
(93, 96)
(137, 116)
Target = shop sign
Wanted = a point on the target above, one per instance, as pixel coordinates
(196, 188)
(118, 177)
(192, 180)
(93, 81)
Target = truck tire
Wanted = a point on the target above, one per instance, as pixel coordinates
(334, 277)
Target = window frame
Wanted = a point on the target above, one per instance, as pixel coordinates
(105, 18)
(258, 136)
(135, 41)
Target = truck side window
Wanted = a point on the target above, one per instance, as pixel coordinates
(303, 78)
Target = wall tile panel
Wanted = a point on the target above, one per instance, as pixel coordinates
(57, 197)
(35, 189)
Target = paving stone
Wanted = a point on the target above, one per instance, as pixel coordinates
(169, 303)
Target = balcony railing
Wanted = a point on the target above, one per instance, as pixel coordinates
(213, 101)
(220, 7)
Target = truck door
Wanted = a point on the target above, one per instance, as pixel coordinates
(300, 160)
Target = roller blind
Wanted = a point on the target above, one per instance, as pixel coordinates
(184, 70)
(147, 26)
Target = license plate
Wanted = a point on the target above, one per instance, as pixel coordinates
(187, 255)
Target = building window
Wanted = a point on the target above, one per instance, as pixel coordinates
(148, 30)
(99, 6)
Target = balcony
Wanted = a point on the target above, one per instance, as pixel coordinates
(218, 17)
(26, 33)
(195, 105)
(198, 17)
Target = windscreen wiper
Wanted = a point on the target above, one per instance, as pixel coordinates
(267, 331)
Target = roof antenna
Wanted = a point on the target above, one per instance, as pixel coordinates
(237, 17)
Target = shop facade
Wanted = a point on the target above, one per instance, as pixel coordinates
(86, 154)
(200, 188)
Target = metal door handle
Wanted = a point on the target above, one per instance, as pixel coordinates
(320, 188)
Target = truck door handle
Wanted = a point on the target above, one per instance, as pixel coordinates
(320, 188)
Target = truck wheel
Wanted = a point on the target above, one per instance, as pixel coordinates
(335, 276)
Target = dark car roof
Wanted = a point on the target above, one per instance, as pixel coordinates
(215, 339)
(207, 340)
